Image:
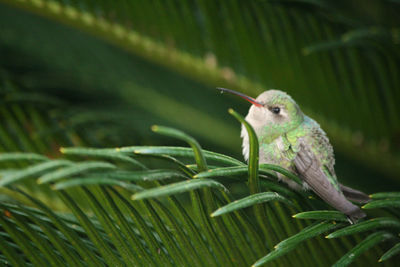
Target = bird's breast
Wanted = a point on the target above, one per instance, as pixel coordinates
(277, 152)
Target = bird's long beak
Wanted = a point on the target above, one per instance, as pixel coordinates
(245, 97)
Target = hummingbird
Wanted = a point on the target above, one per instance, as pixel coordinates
(294, 141)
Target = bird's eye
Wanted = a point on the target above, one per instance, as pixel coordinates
(275, 110)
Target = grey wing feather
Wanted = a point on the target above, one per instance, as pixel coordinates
(354, 195)
(309, 168)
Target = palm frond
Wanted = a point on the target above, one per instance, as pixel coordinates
(133, 216)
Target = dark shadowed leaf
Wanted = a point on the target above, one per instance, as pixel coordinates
(391, 252)
(361, 247)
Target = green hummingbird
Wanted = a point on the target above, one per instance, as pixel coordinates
(290, 139)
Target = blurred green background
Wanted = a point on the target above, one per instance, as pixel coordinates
(100, 73)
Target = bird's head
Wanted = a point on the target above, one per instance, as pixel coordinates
(273, 112)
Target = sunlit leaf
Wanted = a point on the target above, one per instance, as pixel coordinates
(322, 215)
(18, 156)
(198, 153)
(33, 170)
(385, 195)
(309, 232)
(383, 203)
(177, 188)
(375, 223)
(74, 170)
(249, 201)
(100, 153)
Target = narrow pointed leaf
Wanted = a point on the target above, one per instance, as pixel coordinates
(277, 187)
(322, 215)
(391, 252)
(104, 248)
(69, 256)
(283, 171)
(309, 232)
(74, 170)
(110, 227)
(101, 153)
(139, 176)
(228, 171)
(198, 152)
(39, 241)
(34, 170)
(177, 188)
(249, 201)
(181, 152)
(17, 156)
(83, 181)
(88, 255)
(385, 195)
(127, 228)
(361, 247)
(146, 232)
(276, 253)
(254, 183)
(9, 252)
(153, 175)
(31, 252)
(384, 203)
(365, 226)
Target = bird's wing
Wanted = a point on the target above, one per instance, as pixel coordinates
(311, 171)
(354, 195)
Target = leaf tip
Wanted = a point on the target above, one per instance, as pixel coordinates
(328, 236)
(62, 150)
(154, 128)
(215, 213)
(231, 111)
